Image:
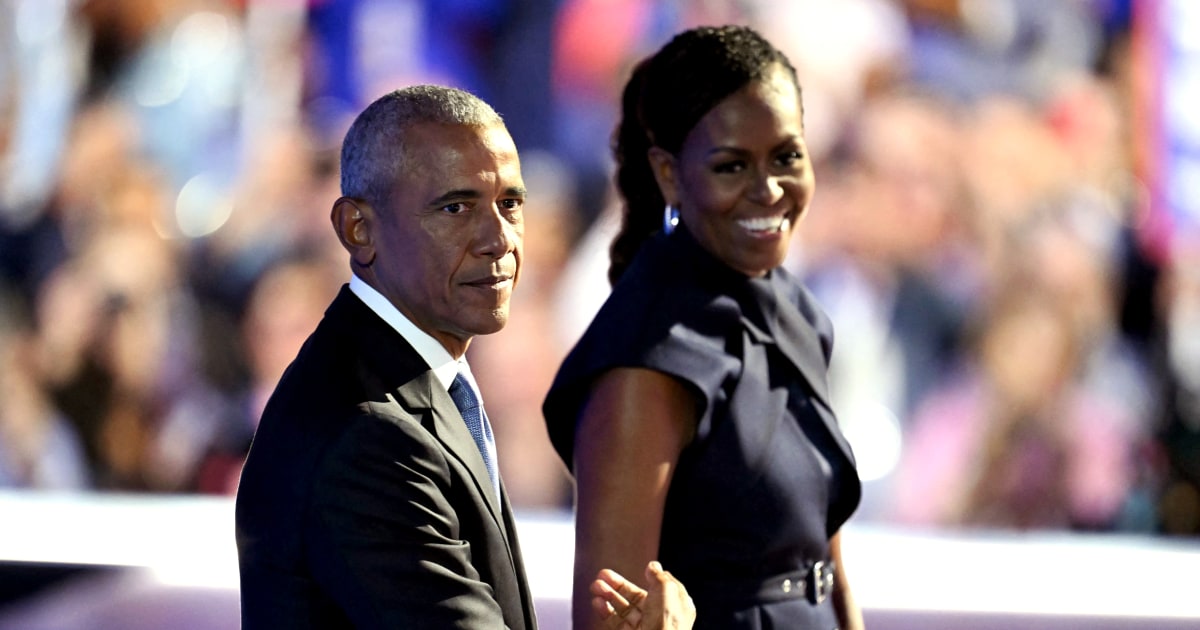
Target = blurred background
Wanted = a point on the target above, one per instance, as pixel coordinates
(1006, 234)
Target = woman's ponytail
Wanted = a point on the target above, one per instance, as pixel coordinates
(643, 202)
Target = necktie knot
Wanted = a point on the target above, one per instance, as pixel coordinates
(463, 394)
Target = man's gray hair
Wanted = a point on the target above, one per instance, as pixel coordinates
(373, 151)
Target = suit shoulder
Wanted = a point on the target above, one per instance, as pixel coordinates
(385, 445)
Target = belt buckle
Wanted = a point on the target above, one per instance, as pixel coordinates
(819, 582)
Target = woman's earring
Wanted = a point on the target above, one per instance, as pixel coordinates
(670, 218)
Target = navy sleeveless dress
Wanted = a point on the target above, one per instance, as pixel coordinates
(769, 476)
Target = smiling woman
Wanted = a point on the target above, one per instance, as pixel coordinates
(742, 179)
(694, 412)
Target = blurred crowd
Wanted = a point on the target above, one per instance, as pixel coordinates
(1018, 337)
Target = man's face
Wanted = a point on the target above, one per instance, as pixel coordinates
(448, 242)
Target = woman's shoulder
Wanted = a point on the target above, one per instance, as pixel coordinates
(662, 309)
(662, 316)
(666, 290)
(646, 311)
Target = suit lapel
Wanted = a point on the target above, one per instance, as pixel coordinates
(395, 367)
(451, 430)
(426, 392)
(399, 386)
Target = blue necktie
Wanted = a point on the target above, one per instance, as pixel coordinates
(467, 401)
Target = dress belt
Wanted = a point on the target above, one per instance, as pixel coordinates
(814, 584)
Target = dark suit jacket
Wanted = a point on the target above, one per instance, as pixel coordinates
(365, 503)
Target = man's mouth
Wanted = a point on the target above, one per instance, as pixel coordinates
(497, 281)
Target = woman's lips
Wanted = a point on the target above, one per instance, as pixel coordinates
(766, 225)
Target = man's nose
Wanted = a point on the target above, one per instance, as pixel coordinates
(497, 236)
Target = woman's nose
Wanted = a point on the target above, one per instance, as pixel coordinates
(767, 189)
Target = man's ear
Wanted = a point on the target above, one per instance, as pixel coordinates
(666, 172)
(352, 221)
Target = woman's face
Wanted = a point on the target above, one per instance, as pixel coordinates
(743, 178)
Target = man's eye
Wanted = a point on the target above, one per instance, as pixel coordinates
(511, 210)
(455, 208)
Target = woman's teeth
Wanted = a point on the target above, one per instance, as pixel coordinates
(767, 224)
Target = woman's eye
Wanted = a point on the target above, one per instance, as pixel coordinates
(729, 167)
(790, 158)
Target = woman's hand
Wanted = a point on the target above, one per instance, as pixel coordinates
(621, 604)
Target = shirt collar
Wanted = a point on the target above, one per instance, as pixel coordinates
(444, 366)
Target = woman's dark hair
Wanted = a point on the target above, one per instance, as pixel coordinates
(668, 93)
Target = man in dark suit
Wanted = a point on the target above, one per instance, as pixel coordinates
(370, 497)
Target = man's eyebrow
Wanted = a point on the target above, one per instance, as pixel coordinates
(451, 196)
(467, 194)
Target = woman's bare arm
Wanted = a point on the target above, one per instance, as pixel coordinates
(632, 430)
